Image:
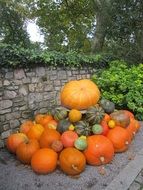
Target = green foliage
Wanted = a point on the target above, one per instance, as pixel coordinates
(12, 20)
(16, 56)
(123, 85)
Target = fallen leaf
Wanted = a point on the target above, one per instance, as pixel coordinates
(131, 156)
(102, 170)
(75, 176)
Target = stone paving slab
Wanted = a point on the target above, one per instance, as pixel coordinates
(138, 182)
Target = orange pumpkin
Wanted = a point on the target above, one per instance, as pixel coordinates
(106, 117)
(47, 138)
(25, 151)
(43, 119)
(137, 125)
(44, 161)
(39, 118)
(100, 150)
(120, 118)
(132, 128)
(104, 124)
(120, 138)
(57, 146)
(51, 124)
(130, 114)
(35, 131)
(14, 140)
(72, 161)
(79, 94)
(46, 119)
(24, 128)
(75, 115)
(68, 138)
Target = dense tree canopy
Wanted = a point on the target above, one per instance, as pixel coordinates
(88, 26)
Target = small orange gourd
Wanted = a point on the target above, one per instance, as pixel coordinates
(25, 127)
(75, 115)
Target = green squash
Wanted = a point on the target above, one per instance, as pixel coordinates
(97, 129)
(63, 125)
(80, 143)
(82, 128)
(60, 113)
(94, 114)
(107, 105)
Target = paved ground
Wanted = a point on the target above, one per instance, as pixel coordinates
(124, 172)
(138, 182)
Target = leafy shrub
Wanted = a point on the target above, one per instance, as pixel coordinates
(123, 85)
(16, 56)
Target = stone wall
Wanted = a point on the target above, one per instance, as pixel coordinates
(25, 92)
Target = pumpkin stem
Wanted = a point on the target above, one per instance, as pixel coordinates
(134, 133)
(102, 159)
(75, 168)
(126, 143)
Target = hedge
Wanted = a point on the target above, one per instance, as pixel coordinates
(16, 56)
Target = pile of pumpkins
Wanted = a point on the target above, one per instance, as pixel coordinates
(86, 129)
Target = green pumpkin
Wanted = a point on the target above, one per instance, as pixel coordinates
(51, 112)
(97, 129)
(63, 125)
(107, 105)
(94, 114)
(82, 128)
(80, 143)
(60, 113)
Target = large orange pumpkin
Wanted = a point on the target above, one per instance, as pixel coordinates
(100, 150)
(35, 131)
(72, 161)
(44, 161)
(120, 138)
(48, 137)
(24, 128)
(79, 94)
(25, 151)
(14, 140)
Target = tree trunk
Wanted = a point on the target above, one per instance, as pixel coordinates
(99, 36)
(139, 37)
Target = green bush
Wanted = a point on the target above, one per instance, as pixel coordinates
(123, 85)
(15, 56)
